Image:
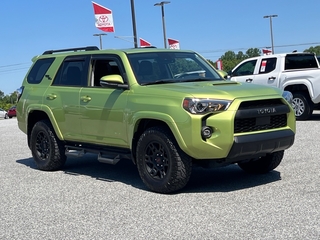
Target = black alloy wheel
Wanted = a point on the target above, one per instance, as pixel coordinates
(162, 166)
(47, 150)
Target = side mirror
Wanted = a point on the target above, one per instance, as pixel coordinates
(113, 81)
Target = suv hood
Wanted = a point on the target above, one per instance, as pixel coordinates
(217, 89)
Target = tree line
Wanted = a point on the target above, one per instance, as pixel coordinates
(231, 59)
(7, 101)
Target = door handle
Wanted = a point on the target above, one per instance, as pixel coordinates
(51, 96)
(85, 98)
(272, 78)
(249, 80)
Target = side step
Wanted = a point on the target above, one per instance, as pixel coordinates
(108, 159)
(104, 157)
(75, 152)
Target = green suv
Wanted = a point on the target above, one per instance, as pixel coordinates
(166, 110)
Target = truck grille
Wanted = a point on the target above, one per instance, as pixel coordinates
(261, 115)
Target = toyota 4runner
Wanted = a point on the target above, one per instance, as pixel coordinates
(166, 110)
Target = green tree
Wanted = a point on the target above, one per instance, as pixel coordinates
(1, 95)
(315, 50)
(229, 55)
(7, 101)
(241, 56)
(230, 59)
(253, 52)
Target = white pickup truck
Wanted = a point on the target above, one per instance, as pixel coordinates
(298, 73)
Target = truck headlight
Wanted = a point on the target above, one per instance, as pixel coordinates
(287, 96)
(203, 106)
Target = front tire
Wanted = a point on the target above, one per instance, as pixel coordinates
(162, 166)
(47, 150)
(302, 105)
(263, 164)
(6, 116)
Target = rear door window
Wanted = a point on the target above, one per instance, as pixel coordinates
(267, 65)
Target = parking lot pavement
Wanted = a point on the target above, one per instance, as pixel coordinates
(91, 200)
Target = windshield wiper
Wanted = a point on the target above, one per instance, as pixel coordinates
(194, 79)
(178, 81)
(160, 82)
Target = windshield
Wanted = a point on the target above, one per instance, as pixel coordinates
(168, 67)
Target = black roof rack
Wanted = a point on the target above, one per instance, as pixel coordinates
(89, 48)
(149, 47)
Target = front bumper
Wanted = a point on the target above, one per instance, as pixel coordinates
(252, 146)
(248, 129)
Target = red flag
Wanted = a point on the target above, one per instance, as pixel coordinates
(144, 43)
(219, 64)
(103, 16)
(173, 44)
(266, 51)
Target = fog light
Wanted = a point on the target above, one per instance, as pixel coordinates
(206, 132)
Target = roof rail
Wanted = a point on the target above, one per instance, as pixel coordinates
(89, 48)
(149, 47)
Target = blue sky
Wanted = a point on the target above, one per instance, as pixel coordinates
(210, 27)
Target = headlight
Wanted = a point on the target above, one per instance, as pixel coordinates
(287, 96)
(203, 106)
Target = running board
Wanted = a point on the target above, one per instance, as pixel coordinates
(103, 156)
(75, 152)
(108, 159)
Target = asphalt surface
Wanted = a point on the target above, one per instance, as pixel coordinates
(92, 200)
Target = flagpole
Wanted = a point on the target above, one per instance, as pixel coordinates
(134, 25)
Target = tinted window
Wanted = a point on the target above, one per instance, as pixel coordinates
(38, 70)
(71, 73)
(102, 67)
(299, 61)
(267, 65)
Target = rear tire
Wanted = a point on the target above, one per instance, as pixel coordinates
(263, 164)
(162, 166)
(302, 105)
(47, 150)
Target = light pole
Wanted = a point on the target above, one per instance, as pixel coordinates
(100, 37)
(163, 23)
(270, 17)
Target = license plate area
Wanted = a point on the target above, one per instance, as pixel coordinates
(263, 120)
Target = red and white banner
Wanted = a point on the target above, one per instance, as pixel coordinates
(103, 16)
(173, 44)
(219, 64)
(144, 43)
(266, 51)
(263, 66)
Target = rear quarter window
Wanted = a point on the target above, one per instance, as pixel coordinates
(38, 70)
(300, 62)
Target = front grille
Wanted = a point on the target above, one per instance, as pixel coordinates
(261, 115)
(249, 124)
